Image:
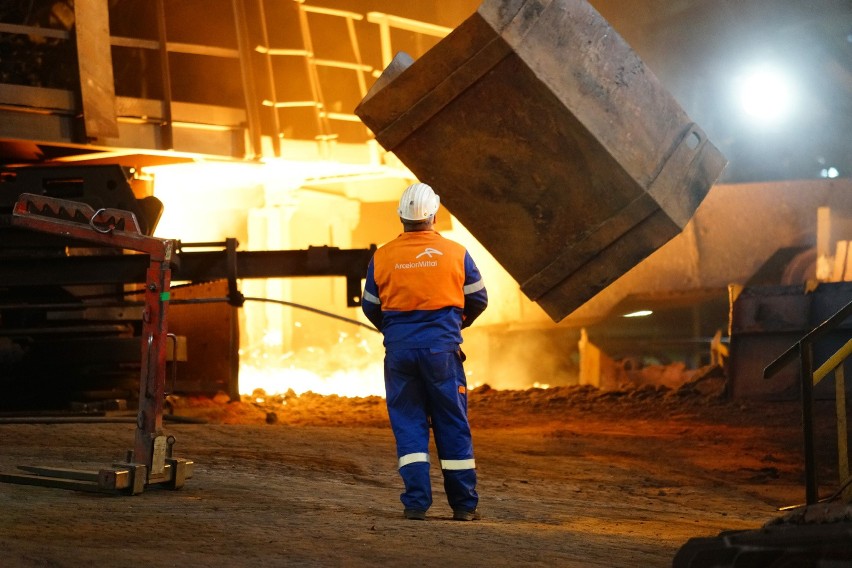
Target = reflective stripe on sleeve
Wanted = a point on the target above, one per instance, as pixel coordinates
(475, 287)
(372, 299)
(458, 464)
(413, 458)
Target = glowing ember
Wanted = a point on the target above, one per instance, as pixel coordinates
(352, 366)
(345, 382)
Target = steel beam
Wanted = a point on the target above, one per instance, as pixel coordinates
(201, 266)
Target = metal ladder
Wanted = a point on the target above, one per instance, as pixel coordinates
(324, 117)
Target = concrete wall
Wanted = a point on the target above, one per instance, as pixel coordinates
(732, 234)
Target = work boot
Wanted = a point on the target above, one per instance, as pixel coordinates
(465, 515)
(415, 514)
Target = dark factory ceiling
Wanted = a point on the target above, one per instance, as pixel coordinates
(710, 54)
(706, 52)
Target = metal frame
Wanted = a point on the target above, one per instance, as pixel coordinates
(150, 461)
(55, 116)
(197, 266)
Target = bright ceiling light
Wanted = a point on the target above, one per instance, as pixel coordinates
(830, 173)
(639, 314)
(766, 95)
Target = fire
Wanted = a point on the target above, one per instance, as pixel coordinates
(281, 349)
(353, 378)
(352, 367)
(343, 382)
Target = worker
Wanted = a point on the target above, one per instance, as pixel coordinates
(421, 291)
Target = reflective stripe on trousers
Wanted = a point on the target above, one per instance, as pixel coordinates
(458, 464)
(413, 458)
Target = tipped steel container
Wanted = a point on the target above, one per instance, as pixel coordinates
(548, 138)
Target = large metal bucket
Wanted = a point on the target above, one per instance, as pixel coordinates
(548, 138)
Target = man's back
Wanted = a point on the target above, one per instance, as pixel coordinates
(419, 288)
(420, 270)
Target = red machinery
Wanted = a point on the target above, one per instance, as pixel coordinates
(150, 461)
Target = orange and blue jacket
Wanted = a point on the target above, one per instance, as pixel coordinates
(421, 290)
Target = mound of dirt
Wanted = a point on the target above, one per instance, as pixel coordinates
(702, 398)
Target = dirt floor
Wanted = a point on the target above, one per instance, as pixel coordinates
(569, 476)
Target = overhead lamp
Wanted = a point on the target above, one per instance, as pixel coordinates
(638, 314)
(765, 94)
(829, 172)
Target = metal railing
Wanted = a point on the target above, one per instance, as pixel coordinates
(323, 115)
(388, 22)
(160, 116)
(803, 349)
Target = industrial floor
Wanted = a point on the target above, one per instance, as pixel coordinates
(569, 477)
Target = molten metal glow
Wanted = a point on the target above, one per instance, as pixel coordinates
(200, 199)
(353, 366)
(343, 382)
(207, 202)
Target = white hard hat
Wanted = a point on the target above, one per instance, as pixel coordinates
(418, 202)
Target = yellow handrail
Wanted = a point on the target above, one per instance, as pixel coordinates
(835, 364)
(833, 361)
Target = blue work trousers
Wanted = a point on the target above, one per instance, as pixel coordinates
(424, 385)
